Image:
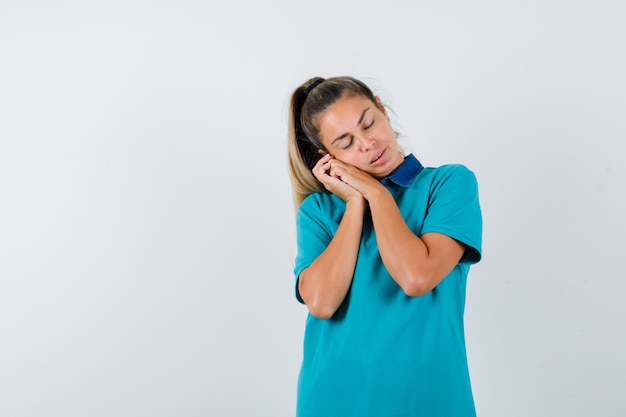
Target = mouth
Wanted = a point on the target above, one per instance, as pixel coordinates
(373, 161)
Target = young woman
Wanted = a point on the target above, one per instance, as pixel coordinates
(384, 249)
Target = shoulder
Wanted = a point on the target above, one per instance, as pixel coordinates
(450, 170)
(449, 174)
(454, 208)
(318, 200)
(321, 205)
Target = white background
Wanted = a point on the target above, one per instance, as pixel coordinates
(146, 227)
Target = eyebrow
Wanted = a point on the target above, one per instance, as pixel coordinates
(357, 123)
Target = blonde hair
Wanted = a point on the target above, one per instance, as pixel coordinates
(308, 101)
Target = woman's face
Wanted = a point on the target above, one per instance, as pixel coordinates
(356, 131)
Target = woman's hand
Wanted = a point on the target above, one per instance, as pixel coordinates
(355, 178)
(327, 171)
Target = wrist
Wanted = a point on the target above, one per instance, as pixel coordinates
(357, 202)
(375, 191)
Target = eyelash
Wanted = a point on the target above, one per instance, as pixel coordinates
(364, 128)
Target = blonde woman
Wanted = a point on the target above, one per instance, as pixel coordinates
(384, 249)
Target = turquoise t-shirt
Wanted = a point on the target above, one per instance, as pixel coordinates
(383, 353)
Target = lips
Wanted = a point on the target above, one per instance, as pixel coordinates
(380, 154)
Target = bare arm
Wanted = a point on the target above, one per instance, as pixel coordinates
(416, 263)
(325, 283)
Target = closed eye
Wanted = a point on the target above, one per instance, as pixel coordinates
(369, 125)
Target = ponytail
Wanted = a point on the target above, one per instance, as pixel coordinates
(302, 152)
(308, 101)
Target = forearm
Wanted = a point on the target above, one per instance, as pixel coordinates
(325, 283)
(416, 264)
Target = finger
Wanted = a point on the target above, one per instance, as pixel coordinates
(337, 168)
(319, 165)
(323, 160)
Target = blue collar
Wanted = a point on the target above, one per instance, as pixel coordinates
(405, 173)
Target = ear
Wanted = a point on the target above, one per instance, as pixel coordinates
(380, 106)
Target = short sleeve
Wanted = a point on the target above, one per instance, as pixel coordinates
(313, 236)
(454, 209)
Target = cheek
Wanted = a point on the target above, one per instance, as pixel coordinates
(345, 156)
(388, 135)
(356, 161)
(385, 131)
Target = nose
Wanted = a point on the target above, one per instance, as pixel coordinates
(367, 143)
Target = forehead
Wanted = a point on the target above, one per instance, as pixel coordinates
(347, 104)
(343, 114)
